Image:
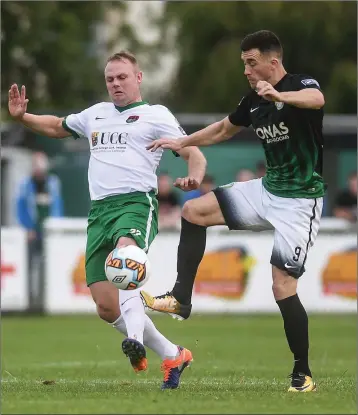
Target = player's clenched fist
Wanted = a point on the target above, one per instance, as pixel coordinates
(267, 91)
(186, 183)
(17, 101)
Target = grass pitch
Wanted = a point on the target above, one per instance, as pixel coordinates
(74, 365)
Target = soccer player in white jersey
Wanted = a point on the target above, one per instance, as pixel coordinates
(122, 185)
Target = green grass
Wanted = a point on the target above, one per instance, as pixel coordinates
(240, 366)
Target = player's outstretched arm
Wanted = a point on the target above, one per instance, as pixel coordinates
(212, 134)
(47, 125)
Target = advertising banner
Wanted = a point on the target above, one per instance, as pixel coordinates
(14, 269)
(234, 276)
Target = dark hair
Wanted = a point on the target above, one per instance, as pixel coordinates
(264, 41)
(123, 54)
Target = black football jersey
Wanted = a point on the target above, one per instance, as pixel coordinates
(292, 139)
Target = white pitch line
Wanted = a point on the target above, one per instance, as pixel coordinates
(13, 377)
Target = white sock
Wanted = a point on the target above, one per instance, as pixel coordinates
(152, 338)
(120, 325)
(133, 313)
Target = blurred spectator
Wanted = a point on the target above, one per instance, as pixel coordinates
(207, 185)
(244, 175)
(345, 205)
(260, 169)
(169, 206)
(39, 197)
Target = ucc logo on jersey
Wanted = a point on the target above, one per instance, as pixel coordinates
(111, 137)
(132, 118)
(273, 133)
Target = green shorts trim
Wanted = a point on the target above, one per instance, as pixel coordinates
(134, 215)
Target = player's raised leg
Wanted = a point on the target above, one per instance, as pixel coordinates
(237, 205)
(197, 215)
(296, 222)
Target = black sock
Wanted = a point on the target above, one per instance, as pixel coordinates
(190, 253)
(296, 328)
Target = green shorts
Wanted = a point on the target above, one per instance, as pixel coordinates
(134, 215)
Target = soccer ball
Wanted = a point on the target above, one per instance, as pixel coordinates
(127, 268)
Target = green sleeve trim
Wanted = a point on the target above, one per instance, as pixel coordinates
(67, 128)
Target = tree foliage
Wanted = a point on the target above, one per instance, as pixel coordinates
(52, 48)
(55, 49)
(319, 39)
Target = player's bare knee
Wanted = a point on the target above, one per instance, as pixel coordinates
(105, 295)
(283, 285)
(107, 312)
(191, 212)
(279, 290)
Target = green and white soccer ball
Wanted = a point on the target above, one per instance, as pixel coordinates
(128, 268)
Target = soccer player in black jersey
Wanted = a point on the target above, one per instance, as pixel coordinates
(286, 113)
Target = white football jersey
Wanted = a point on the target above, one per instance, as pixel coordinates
(120, 162)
